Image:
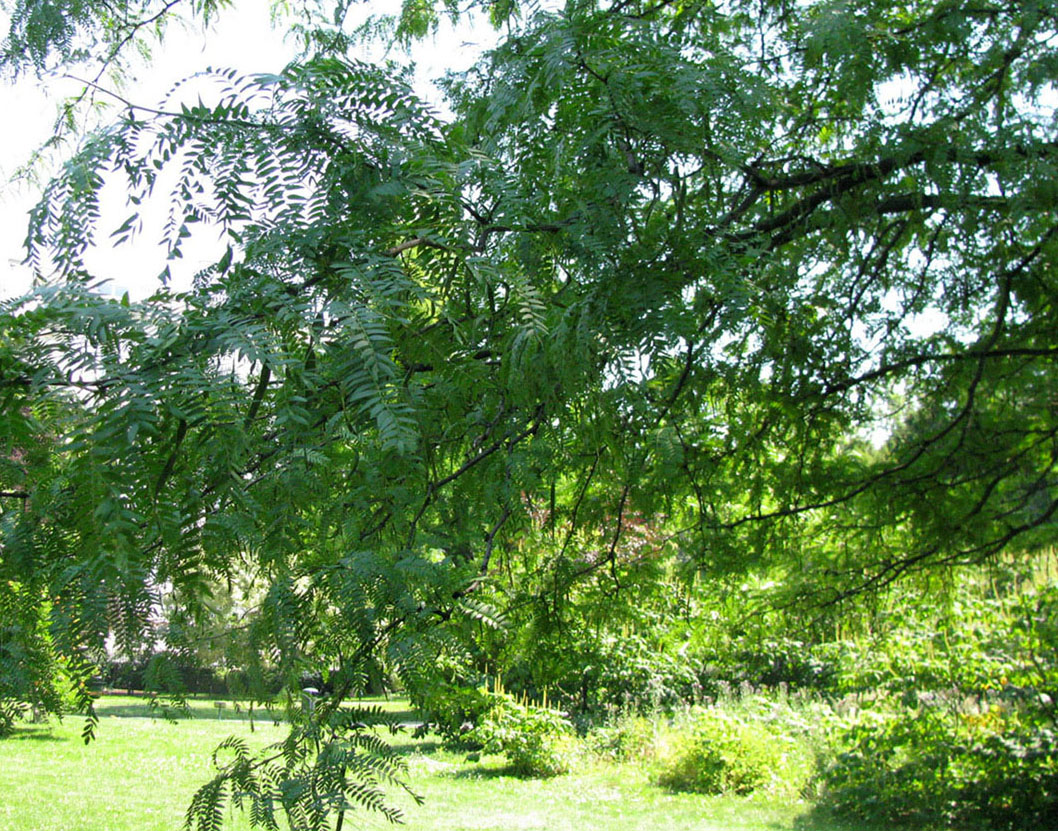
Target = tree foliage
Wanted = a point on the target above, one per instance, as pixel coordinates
(682, 261)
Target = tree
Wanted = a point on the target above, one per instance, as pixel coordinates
(676, 260)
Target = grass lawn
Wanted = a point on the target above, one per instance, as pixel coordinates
(141, 771)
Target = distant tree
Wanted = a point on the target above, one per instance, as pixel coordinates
(681, 260)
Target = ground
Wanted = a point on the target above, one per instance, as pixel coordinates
(141, 771)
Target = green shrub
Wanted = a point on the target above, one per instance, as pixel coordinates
(962, 731)
(590, 672)
(628, 737)
(450, 707)
(538, 741)
(936, 766)
(770, 662)
(724, 752)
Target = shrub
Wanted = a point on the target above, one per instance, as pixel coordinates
(774, 662)
(591, 673)
(963, 732)
(937, 766)
(724, 752)
(450, 707)
(254, 683)
(632, 671)
(538, 741)
(164, 672)
(628, 737)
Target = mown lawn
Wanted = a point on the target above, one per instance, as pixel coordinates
(141, 771)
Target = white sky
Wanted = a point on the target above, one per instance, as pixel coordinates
(242, 39)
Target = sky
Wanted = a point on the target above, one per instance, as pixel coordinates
(242, 38)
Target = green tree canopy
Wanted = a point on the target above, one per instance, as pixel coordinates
(779, 278)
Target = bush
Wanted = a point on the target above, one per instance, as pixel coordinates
(629, 737)
(726, 753)
(592, 673)
(538, 741)
(449, 708)
(938, 767)
(632, 671)
(241, 683)
(772, 662)
(167, 673)
(963, 728)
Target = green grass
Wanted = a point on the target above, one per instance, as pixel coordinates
(140, 773)
(464, 796)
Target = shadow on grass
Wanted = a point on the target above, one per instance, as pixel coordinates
(820, 818)
(36, 733)
(484, 772)
(400, 716)
(413, 746)
(207, 708)
(141, 709)
(170, 713)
